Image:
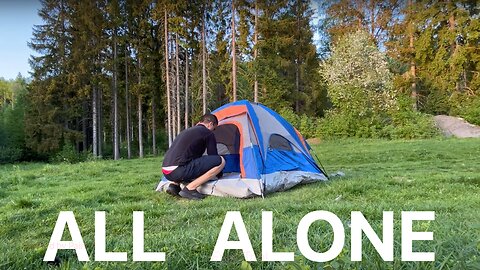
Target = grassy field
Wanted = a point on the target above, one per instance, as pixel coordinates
(424, 175)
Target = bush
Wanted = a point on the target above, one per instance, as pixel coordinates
(342, 124)
(401, 124)
(69, 154)
(413, 125)
(10, 154)
(290, 116)
(471, 113)
(467, 107)
(307, 126)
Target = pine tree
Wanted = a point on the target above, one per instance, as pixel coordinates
(373, 16)
(45, 120)
(114, 24)
(234, 53)
(435, 40)
(204, 64)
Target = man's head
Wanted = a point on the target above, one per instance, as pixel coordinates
(210, 121)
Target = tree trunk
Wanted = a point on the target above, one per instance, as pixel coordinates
(116, 146)
(234, 56)
(139, 112)
(140, 131)
(255, 53)
(173, 90)
(413, 74)
(204, 68)
(360, 12)
(186, 88)
(127, 108)
(372, 18)
(453, 45)
(167, 78)
(297, 86)
(94, 122)
(154, 134)
(297, 64)
(177, 74)
(84, 126)
(101, 136)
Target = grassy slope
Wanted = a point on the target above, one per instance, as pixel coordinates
(438, 175)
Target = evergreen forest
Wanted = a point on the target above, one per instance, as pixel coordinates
(121, 78)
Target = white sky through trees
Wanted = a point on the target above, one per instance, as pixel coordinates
(17, 18)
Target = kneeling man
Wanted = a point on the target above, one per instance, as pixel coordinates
(184, 160)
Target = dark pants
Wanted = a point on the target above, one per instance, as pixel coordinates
(193, 169)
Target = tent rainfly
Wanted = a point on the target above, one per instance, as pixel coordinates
(263, 153)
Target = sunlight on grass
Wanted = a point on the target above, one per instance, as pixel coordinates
(437, 175)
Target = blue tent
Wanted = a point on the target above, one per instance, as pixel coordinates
(263, 152)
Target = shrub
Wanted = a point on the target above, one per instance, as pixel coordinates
(69, 154)
(399, 124)
(10, 154)
(471, 113)
(307, 126)
(412, 125)
(338, 123)
(467, 107)
(290, 116)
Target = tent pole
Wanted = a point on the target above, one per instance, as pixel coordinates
(321, 165)
(318, 160)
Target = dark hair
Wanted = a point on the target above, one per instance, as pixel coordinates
(209, 118)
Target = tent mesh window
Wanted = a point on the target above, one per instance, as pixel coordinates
(228, 145)
(279, 142)
(228, 137)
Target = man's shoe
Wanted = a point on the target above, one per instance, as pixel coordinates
(173, 190)
(191, 194)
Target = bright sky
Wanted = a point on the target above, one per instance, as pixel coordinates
(16, 21)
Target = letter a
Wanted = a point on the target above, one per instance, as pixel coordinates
(233, 218)
(56, 243)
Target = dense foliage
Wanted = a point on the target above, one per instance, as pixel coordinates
(12, 109)
(365, 103)
(121, 78)
(101, 76)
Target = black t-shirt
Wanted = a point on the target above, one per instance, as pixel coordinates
(190, 144)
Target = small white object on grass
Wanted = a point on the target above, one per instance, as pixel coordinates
(337, 174)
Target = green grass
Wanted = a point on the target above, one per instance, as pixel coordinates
(429, 175)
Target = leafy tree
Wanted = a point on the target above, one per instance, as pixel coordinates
(358, 77)
(444, 51)
(5, 92)
(12, 131)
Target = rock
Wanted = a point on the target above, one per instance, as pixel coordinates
(457, 127)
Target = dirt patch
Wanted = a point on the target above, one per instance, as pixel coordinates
(313, 141)
(457, 127)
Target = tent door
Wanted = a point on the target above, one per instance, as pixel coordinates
(228, 146)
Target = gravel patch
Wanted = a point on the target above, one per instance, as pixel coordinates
(457, 127)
